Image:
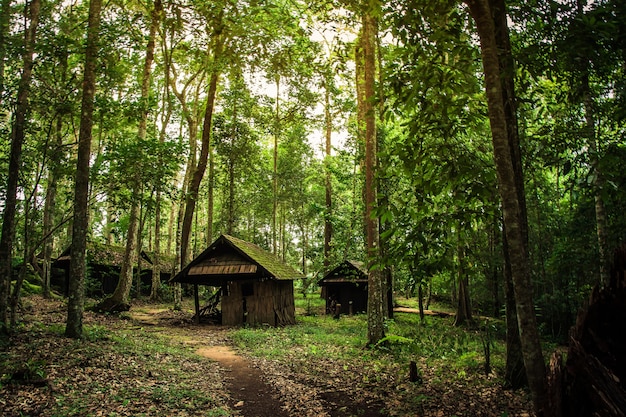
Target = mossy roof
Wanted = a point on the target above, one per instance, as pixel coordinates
(269, 265)
(347, 271)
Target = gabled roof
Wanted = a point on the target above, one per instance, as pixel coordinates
(347, 271)
(230, 258)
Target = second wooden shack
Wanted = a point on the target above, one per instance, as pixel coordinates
(346, 285)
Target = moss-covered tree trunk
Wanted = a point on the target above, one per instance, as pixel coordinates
(375, 315)
(18, 130)
(76, 299)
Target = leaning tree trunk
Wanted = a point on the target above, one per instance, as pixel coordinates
(508, 186)
(76, 300)
(18, 130)
(198, 174)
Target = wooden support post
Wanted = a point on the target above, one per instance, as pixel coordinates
(196, 299)
(337, 312)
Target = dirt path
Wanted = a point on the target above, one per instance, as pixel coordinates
(249, 393)
(254, 388)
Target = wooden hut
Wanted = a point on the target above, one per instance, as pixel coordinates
(346, 285)
(104, 264)
(257, 288)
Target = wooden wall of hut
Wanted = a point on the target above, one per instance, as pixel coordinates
(285, 308)
(258, 302)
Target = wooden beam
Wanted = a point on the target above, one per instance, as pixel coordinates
(196, 299)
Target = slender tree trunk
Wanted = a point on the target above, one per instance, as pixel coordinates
(156, 265)
(76, 300)
(508, 186)
(194, 185)
(328, 214)
(5, 19)
(463, 310)
(514, 371)
(18, 129)
(211, 202)
(51, 191)
(375, 329)
(495, 270)
(27, 254)
(598, 182)
(275, 169)
(420, 301)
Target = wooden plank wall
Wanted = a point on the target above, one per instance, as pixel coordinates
(271, 303)
(260, 304)
(232, 305)
(284, 305)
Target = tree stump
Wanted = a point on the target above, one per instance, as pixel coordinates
(594, 375)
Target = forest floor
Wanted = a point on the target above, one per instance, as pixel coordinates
(156, 362)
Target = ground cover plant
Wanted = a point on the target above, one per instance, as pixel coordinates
(145, 363)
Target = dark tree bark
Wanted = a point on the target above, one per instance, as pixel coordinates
(275, 169)
(5, 18)
(51, 191)
(76, 300)
(464, 308)
(508, 185)
(328, 213)
(198, 174)
(375, 330)
(514, 371)
(15, 162)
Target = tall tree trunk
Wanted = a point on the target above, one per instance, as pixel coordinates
(275, 169)
(375, 329)
(463, 310)
(51, 190)
(178, 294)
(156, 266)
(28, 253)
(211, 202)
(508, 185)
(598, 182)
(18, 129)
(514, 371)
(5, 18)
(50, 204)
(194, 185)
(156, 261)
(328, 214)
(76, 300)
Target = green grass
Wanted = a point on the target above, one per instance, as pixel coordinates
(310, 305)
(458, 350)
